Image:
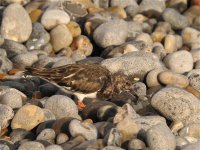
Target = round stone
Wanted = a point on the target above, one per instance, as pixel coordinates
(5, 116)
(47, 135)
(61, 138)
(179, 62)
(113, 32)
(12, 99)
(171, 78)
(152, 77)
(74, 28)
(61, 37)
(160, 137)
(31, 145)
(53, 147)
(54, 17)
(28, 117)
(62, 106)
(20, 28)
(136, 144)
(170, 43)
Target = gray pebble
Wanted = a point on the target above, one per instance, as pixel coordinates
(121, 3)
(65, 61)
(193, 146)
(78, 55)
(4, 147)
(47, 135)
(53, 147)
(6, 64)
(160, 137)
(39, 37)
(13, 48)
(177, 20)
(113, 32)
(136, 144)
(61, 138)
(31, 145)
(134, 28)
(152, 8)
(21, 26)
(177, 105)
(48, 115)
(133, 63)
(132, 10)
(194, 78)
(12, 99)
(112, 148)
(5, 116)
(62, 106)
(180, 141)
(85, 129)
(48, 89)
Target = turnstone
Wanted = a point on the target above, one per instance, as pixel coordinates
(85, 80)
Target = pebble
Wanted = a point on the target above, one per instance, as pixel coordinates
(28, 117)
(31, 145)
(170, 43)
(12, 99)
(150, 8)
(53, 147)
(197, 64)
(179, 5)
(191, 130)
(113, 138)
(6, 64)
(112, 148)
(38, 38)
(152, 77)
(136, 144)
(181, 142)
(21, 26)
(176, 20)
(61, 37)
(85, 129)
(195, 54)
(5, 116)
(53, 17)
(62, 62)
(193, 77)
(74, 28)
(134, 63)
(61, 138)
(192, 146)
(78, 55)
(176, 104)
(47, 135)
(113, 32)
(4, 147)
(62, 106)
(171, 78)
(179, 62)
(162, 134)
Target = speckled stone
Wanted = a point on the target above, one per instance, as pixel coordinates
(62, 106)
(177, 105)
(31, 145)
(6, 64)
(191, 130)
(5, 116)
(160, 137)
(133, 63)
(194, 76)
(21, 26)
(28, 117)
(47, 135)
(177, 20)
(136, 144)
(179, 62)
(113, 32)
(54, 17)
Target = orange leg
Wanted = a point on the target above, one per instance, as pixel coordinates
(81, 105)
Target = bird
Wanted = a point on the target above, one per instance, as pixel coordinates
(85, 80)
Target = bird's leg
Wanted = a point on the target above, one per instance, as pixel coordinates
(81, 105)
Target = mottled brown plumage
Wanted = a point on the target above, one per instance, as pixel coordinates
(85, 79)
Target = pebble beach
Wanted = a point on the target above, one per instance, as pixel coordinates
(155, 42)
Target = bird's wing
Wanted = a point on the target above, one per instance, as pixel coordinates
(85, 78)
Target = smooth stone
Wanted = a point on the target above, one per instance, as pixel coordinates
(48, 115)
(123, 3)
(177, 105)
(38, 38)
(190, 37)
(62, 106)
(4, 147)
(5, 116)
(53, 147)
(195, 54)
(48, 89)
(160, 137)
(8, 143)
(61, 138)
(137, 64)
(91, 144)
(134, 28)
(5, 90)
(180, 141)
(146, 38)
(6, 64)
(24, 59)
(53, 17)
(18, 135)
(159, 51)
(85, 129)
(12, 99)
(180, 5)
(21, 26)
(192, 146)
(113, 138)
(22, 2)
(35, 15)
(113, 32)
(136, 144)
(47, 135)
(74, 28)
(118, 11)
(13, 48)
(61, 37)
(191, 130)
(62, 62)
(197, 64)
(179, 62)
(132, 10)
(171, 78)
(112, 148)
(170, 43)
(194, 76)
(158, 36)
(28, 117)
(31, 145)
(82, 43)
(152, 8)
(152, 77)
(78, 55)
(177, 20)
